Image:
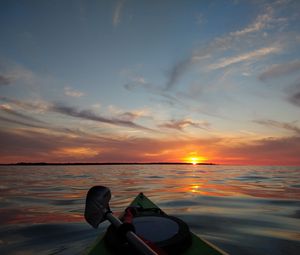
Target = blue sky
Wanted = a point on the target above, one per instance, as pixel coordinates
(164, 80)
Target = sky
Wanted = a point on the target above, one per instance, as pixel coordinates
(150, 81)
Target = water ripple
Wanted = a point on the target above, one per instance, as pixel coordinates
(244, 210)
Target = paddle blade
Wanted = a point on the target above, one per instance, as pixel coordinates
(96, 205)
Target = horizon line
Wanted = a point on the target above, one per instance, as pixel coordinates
(104, 163)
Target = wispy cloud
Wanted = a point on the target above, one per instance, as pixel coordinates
(295, 98)
(140, 83)
(7, 109)
(279, 70)
(116, 18)
(137, 82)
(260, 23)
(294, 94)
(73, 92)
(90, 115)
(86, 114)
(178, 70)
(181, 124)
(128, 115)
(19, 122)
(12, 73)
(37, 106)
(283, 125)
(256, 54)
(181, 100)
(234, 40)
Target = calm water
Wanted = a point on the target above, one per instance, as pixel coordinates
(244, 210)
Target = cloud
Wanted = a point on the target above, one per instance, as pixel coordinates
(277, 124)
(137, 82)
(235, 40)
(181, 124)
(87, 114)
(21, 146)
(295, 98)
(128, 115)
(26, 145)
(4, 80)
(259, 24)
(36, 146)
(37, 106)
(72, 92)
(90, 115)
(7, 109)
(256, 54)
(197, 56)
(177, 71)
(294, 94)
(116, 18)
(186, 63)
(18, 122)
(279, 70)
(266, 151)
(181, 100)
(79, 152)
(12, 73)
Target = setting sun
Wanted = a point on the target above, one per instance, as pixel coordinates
(195, 160)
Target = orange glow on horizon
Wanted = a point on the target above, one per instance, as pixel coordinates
(76, 152)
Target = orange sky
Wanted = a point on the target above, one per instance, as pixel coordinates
(37, 146)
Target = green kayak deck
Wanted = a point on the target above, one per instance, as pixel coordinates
(198, 245)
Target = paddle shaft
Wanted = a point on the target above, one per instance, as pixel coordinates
(131, 237)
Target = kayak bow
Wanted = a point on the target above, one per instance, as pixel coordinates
(153, 225)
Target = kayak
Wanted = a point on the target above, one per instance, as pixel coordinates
(171, 235)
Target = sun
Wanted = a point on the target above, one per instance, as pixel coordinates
(195, 160)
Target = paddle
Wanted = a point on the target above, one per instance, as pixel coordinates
(97, 210)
